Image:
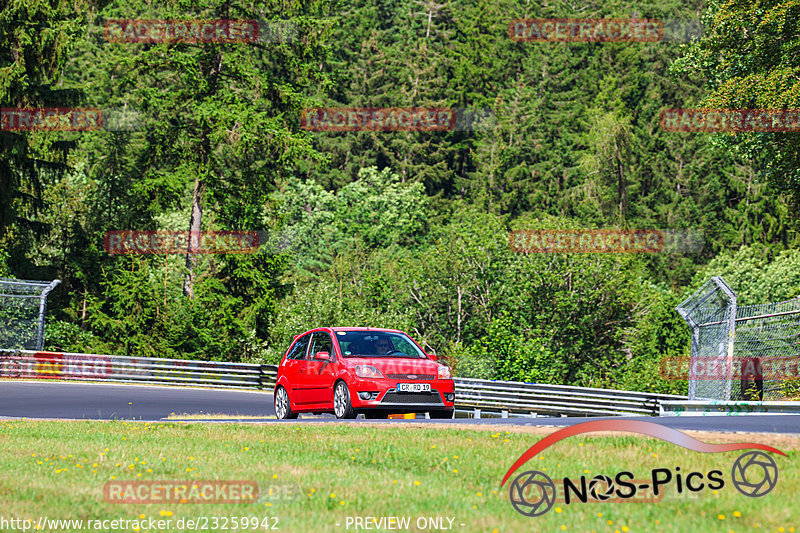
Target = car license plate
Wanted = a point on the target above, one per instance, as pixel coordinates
(413, 387)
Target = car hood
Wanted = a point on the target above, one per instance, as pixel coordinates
(397, 365)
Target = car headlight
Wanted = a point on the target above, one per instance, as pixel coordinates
(368, 371)
(444, 372)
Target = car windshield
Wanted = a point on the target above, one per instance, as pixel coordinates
(377, 344)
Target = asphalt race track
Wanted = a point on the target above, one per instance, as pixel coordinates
(100, 401)
(37, 399)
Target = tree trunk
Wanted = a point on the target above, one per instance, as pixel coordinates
(195, 223)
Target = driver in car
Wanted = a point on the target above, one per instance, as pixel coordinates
(382, 346)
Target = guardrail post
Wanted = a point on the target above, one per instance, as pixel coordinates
(503, 414)
(262, 377)
(476, 413)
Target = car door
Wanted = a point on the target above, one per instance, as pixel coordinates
(317, 376)
(292, 366)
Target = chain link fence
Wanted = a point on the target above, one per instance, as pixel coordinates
(768, 341)
(740, 353)
(23, 304)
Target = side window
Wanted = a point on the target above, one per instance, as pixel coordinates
(299, 349)
(321, 343)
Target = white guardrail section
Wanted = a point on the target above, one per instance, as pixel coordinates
(728, 408)
(474, 397)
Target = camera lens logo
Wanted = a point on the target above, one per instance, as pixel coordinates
(601, 488)
(754, 474)
(532, 493)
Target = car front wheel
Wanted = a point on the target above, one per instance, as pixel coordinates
(283, 409)
(342, 407)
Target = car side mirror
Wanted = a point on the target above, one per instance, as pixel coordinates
(325, 356)
(433, 357)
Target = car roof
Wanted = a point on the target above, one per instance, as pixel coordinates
(335, 329)
(366, 329)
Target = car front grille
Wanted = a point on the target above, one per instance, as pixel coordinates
(412, 398)
(409, 376)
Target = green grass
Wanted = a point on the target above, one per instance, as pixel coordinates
(59, 469)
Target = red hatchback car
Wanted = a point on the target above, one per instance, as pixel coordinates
(348, 371)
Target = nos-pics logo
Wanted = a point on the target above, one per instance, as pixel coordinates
(533, 493)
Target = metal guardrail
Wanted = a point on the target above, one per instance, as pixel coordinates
(728, 408)
(474, 397)
(532, 399)
(146, 370)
